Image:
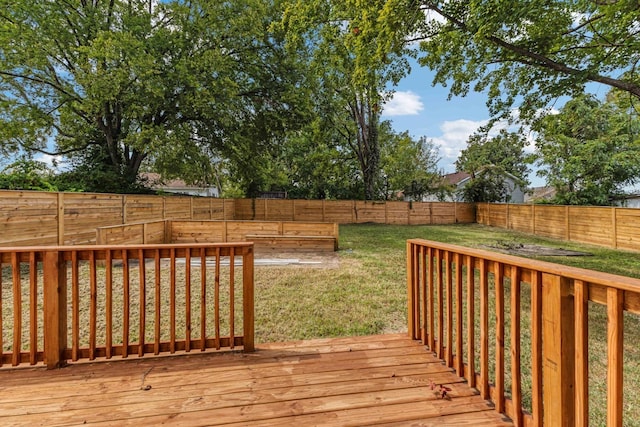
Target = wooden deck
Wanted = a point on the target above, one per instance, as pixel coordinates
(374, 380)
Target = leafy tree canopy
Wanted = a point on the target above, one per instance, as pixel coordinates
(525, 51)
(590, 150)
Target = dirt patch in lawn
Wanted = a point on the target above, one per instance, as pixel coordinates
(529, 250)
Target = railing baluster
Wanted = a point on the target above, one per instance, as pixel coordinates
(33, 308)
(431, 300)
(439, 279)
(471, 363)
(536, 348)
(125, 303)
(581, 302)
(484, 331)
(615, 338)
(232, 298)
(187, 303)
(516, 372)
(172, 303)
(93, 305)
(203, 300)
(158, 306)
(449, 283)
(75, 307)
(217, 299)
(142, 301)
(17, 309)
(109, 303)
(459, 321)
(499, 292)
(1, 319)
(421, 292)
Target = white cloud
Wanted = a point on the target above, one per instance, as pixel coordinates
(403, 104)
(56, 163)
(454, 139)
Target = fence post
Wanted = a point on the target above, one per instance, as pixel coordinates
(558, 350)
(247, 300)
(55, 309)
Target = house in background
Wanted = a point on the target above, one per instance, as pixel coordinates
(540, 194)
(458, 180)
(178, 186)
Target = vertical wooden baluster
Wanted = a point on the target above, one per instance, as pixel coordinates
(615, 339)
(217, 299)
(109, 302)
(499, 286)
(232, 297)
(415, 262)
(17, 309)
(248, 319)
(581, 301)
(449, 353)
(422, 284)
(411, 302)
(142, 302)
(75, 307)
(1, 317)
(203, 299)
(125, 303)
(439, 280)
(172, 302)
(536, 348)
(431, 300)
(471, 348)
(187, 293)
(33, 308)
(459, 321)
(516, 375)
(93, 307)
(484, 331)
(158, 305)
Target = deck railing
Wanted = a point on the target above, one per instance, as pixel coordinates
(468, 306)
(60, 304)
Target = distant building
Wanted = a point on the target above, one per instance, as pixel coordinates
(458, 180)
(539, 194)
(178, 186)
(630, 201)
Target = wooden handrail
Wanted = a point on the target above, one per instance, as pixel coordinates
(443, 279)
(70, 303)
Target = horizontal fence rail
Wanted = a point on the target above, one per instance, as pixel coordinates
(518, 329)
(65, 304)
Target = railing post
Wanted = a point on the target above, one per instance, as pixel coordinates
(248, 300)
(55, 309)
(558, 349)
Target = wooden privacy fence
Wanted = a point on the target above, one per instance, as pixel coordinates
(459, 299)
(29, 218)
(265, 234)
(62, 304)
(611, 227)
(355, 211)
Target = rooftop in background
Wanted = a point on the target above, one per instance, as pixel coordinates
(178, 186)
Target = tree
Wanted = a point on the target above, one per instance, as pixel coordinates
(27, 174)
(408, 165)
(522, 51)
(139, 78)
(349, 80)
(590, 151)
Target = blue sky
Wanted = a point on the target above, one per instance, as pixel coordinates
(423, 110)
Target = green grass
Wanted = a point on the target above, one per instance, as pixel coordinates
(367, 295)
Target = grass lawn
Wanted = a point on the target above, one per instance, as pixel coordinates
(367, 295)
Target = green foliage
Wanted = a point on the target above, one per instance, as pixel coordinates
(140, 78)
(489, 185)
(590, 151)
(26, 174)
(522, 51)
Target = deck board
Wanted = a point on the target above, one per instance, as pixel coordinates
(385, 380)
